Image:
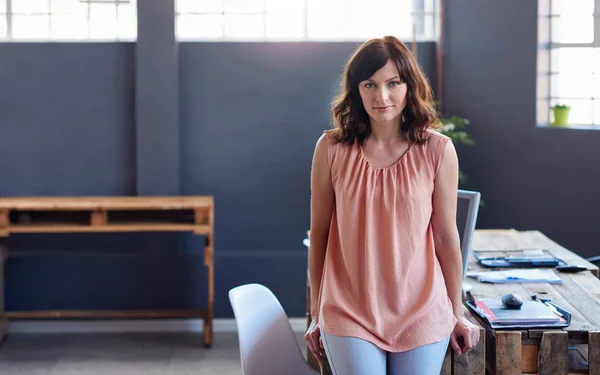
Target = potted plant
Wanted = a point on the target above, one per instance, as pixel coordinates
(561, 115)
(453, 127)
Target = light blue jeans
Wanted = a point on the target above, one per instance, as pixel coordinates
(354, 356)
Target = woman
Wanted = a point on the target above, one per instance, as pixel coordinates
(385, 260)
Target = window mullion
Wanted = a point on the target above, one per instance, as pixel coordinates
(9, 19)
(597, 23)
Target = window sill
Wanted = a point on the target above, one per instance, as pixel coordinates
(570, 127)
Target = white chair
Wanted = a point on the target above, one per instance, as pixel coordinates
(268, 345)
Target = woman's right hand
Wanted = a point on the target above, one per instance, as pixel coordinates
(313, 341)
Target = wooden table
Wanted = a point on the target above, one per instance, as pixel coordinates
(544, 352)
(110, 214)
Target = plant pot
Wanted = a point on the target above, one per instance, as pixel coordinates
(561, 116)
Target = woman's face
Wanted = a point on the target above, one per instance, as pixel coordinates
(384, 94)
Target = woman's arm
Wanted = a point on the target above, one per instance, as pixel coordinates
(447, 240)
(321, 209)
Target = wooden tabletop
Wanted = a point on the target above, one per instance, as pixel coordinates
(579, 293)
(104, 203)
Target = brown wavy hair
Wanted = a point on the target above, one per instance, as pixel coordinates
(350, 118)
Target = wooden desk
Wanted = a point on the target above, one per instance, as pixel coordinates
(110, 214)
(545, 352)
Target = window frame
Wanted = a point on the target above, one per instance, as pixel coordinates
(545, 70)
(424, 13)
(9, 14)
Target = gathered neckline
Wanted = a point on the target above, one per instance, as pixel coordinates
(364, 157)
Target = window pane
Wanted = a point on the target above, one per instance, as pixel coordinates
(191, 26)
(68, 26)
(244, 6)
(380, 17)
(3, 33)
(30, 27)
(326, 19)
(2, 6)
(573, 29)
(572, 84)
(127, 21)
(30, 6)
(573, 59)
(288, 6)
(103, 21)
(285, 24)
(581, 110)
(596, 112)
(424, 26)
(199, 6)
(244, 25)
(573, 7)
(596, 87)
(430, 5)
(66, 6)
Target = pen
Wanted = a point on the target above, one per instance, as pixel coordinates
(554, 310)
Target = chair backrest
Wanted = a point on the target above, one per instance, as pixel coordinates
(466, 218)
(267, 342)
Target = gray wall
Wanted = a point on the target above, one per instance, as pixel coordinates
(530, 177)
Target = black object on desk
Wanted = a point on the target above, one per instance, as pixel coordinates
(571, 269)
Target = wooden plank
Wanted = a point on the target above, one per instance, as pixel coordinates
(558, 251)
(105, 314)
(508, 353)
(108, 203)
(133, 227)
(3, 319)
(99, 217)
(529, 358)
(201, 216)
(553, 353)
(594, 353)
(4, 218)
(588, 307)
(447, 364)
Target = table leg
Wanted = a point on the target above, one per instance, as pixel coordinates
(209, 316)
(3, 320)
(508, 353)
(594, 352)
(553, 358)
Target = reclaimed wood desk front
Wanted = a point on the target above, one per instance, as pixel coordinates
(110, 214)
(542, 351)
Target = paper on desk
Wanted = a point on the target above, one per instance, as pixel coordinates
(518, 276)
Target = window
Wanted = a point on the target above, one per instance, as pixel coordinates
(304, 19)
(569, 60)
(71, 20)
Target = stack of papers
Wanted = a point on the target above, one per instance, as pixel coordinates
(517, 276)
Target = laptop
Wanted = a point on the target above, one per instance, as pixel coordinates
(467, 209)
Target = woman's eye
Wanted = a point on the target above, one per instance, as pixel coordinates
(394, 84)
(368, 85)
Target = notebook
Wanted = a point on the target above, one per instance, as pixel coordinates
(531, 315)
(517, 276)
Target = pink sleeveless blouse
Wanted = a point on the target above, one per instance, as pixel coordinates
(381, 279)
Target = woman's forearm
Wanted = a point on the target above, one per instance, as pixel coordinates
(450, 258)
(316, 261)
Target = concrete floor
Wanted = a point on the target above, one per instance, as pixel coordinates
(126, 354)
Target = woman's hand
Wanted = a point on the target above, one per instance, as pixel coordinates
(313, 341)
(465, 336)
